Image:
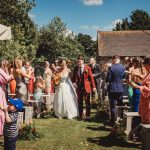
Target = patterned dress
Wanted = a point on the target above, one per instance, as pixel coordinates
(144, 106)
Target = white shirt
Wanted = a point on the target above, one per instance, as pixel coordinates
(82, 69)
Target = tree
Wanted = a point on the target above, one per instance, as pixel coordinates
(118, 27)
(15, 13)
(140, 20)
(88, 44)
(125, 25)
(55, 41)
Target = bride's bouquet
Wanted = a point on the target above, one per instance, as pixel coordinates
(56, 79)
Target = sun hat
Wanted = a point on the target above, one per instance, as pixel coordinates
(17, 103)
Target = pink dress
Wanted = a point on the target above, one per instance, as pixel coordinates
(144, 106)
(4, 78)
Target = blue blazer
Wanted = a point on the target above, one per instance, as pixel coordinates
(114, 77)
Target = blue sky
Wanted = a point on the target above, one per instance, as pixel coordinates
(86, 16)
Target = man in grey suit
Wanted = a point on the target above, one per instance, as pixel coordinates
(115, 88)
(96, 73)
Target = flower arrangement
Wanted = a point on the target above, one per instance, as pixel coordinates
(56, 79)
(86, 71)
(45, 113)
(28, 131)
(119, 129)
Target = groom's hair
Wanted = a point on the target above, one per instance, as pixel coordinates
(80, 57)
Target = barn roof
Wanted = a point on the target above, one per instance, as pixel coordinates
(124, 43)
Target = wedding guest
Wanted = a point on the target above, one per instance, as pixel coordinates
(129, 68)
(57, 64)
(104, 85)
(96, 73)
(83, 80)
(4, 78)
(28, 81)
(19, 75)
(137, 74)
(54, 71)
(10, 126)
(144, 106)
(53, 68)
(47, 75)
(12, 82)
(31, 82)
(115, 88)
(39, 86)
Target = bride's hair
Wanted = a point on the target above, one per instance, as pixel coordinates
(63, 63)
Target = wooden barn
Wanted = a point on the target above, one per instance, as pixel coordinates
(123, 43)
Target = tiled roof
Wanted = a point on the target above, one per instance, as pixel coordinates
(124, 43)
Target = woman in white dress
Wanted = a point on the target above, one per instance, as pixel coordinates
(65, 99)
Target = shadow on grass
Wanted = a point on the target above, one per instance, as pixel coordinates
(109, 141)
(101, 128)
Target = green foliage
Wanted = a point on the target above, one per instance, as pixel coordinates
(88, 44)
(29, 132)
(119, 129)
(45, 113)
(140, 20)
(56, 42)
(15, 13)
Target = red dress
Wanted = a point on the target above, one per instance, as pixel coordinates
(31, 84)
(144, 106)
(12, 84)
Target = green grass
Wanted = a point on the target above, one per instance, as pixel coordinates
(74, 135)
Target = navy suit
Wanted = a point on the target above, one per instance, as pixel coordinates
(115, 88)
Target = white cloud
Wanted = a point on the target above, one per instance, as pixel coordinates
(86, 27)
(31, 15)
(94, 27)
(91, 27)
(92, 2)
(69, 33)
(94, 38)
(112, 25)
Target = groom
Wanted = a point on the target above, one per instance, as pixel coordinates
(83, 80)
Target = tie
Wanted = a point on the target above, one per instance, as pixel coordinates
(80, 71)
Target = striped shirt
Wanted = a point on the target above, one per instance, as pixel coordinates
(11, 129)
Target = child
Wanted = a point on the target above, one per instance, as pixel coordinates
(10, 126)
(39, 86)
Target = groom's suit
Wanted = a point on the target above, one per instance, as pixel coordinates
(84, 79)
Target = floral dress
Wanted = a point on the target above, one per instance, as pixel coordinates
(144, 106)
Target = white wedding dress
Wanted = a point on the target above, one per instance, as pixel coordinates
(65, 99)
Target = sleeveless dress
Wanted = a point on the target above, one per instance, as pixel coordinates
(21, 88)
(4, 78)
(47, 78)
(38, 98)
(65, 99)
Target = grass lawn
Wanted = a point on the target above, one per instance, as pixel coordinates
(74, 135)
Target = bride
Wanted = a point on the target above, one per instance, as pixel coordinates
(65, 99)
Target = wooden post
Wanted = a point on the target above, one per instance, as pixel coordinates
(129, 116)
(28, 115)
(20, 120)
